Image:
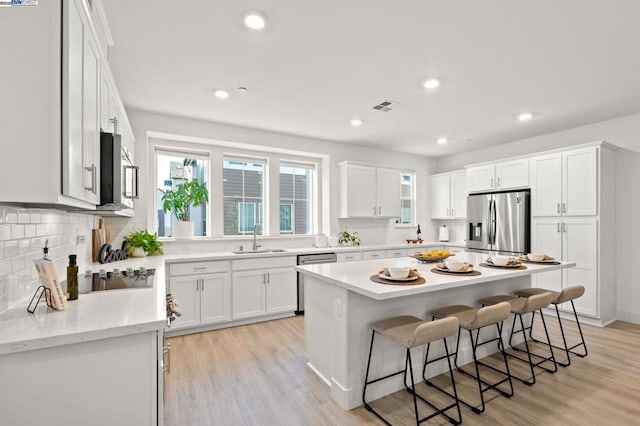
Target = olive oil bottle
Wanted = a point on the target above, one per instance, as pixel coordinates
(72, 278)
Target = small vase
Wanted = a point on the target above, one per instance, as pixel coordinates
(138, 252)
(183, 230)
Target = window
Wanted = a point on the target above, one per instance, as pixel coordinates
(296, 198)
(172, 170)
(406, 199)
(243, 195)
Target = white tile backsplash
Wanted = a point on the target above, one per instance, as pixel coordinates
(23, 233)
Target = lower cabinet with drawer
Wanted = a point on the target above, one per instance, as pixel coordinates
(263, 287)
(203, 291)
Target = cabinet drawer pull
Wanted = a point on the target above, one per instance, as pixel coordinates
(201, 268)
(92, 169)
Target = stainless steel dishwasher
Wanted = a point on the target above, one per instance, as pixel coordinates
(310, 259)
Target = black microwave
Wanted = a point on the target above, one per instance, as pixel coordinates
(118, 176)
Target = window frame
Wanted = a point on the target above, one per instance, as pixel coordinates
(259, 210)
(411, 198)
(215, 152)
(312, 200)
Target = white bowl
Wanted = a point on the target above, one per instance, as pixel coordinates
(399, 272)
(500, 260)
(454, 265)
(536, 257)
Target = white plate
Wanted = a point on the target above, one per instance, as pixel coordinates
(493, 265)
(526, 259)
(388, 278)
(453, 272)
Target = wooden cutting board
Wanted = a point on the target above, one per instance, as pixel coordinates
(98, 239)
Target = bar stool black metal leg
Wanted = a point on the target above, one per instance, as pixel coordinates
(526, 345)
(366, 377)
(584, 345)
(453, 383)
(475, 363)
(553, 358)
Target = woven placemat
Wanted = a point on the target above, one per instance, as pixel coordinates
(377, 279)
(488, 265)
(454, 274)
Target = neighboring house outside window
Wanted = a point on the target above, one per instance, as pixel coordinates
(243, 196)
(407, 199)
(296, 198)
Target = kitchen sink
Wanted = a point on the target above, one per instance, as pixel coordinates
(258, 251)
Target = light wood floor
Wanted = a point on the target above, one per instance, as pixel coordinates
(256, 375)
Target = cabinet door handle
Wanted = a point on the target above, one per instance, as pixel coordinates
(202, 285)
(197, 284)
(491, 182)
(264, 278)
(564, 227)
(92, 169)
(564, 207)
(379, 210)
(499, 182)
(268, 277)
(134, 193)
(558, 227)
(453, 212)
(447, 212)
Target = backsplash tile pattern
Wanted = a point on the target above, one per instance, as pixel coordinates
(23, 233)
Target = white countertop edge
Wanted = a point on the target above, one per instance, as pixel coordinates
(408, 290)
(80, 337)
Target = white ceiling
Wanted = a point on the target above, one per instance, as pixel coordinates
(320, 63)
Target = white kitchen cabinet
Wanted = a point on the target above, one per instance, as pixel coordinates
(281, 295)
(91, 120)
(449, 195)
(500, 176)
(396, 253)
(353, 256)
(367, 191)
(61, 84)
(203, 292)
(565, 183)
(571, 240)
(264, 286)
(374, 254)
(112, 381)
(249, 293)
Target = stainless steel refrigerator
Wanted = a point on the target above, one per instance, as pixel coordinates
(499, 222)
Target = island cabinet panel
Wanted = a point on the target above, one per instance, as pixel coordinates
(104, 382)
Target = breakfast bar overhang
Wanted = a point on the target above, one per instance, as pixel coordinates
(341, 301)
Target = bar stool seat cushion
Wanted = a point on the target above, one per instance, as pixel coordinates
(565, 295)
(410, 331)
(520, 305)
(472, 318)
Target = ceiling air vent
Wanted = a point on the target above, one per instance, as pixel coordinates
(387, 106)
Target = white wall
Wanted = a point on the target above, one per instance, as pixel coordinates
(623, 132)
(372, 231)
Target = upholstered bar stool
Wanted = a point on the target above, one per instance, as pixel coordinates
(566, 295)
(471, 319)
(520, 307)
(410, 332)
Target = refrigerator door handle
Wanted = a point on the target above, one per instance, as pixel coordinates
(495, 223)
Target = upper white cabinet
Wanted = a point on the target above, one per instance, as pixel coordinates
(505, 175)
(53, 113)
(449, 195)
(367, 191)
(569, 192)
(565, 183)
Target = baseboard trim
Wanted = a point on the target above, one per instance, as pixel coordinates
(633, 317)
(315, 370)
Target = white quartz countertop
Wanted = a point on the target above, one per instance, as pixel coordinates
(355, 276)
(94, 316)
(113, 313)
(227, 255)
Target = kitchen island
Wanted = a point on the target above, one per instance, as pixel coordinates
(341, 301)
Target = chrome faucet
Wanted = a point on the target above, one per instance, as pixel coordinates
(256, 228)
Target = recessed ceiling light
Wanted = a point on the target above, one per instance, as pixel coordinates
(356, 122)
(431, 83)
(525, 116)
(442, 141)
(255, 20)
(221, 94)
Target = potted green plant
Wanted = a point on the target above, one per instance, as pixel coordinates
(179, 200)
(349, 239)
(142, 243)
